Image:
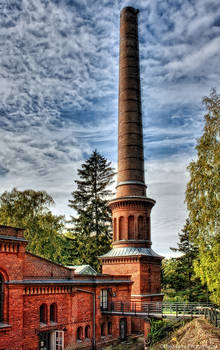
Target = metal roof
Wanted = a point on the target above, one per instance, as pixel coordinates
(13, 238)
(130, 251)
(69, 282)
(83, 269)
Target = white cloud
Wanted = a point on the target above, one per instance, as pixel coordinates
(166, 184)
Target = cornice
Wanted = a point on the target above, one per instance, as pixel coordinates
(131, 201)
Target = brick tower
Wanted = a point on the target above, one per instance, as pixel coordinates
(131, 209)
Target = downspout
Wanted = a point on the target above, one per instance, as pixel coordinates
(94, 314)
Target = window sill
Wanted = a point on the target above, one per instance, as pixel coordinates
(43, 324)
(4, 326)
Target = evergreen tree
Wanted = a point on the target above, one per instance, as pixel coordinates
(29, 210)
(189, 252)
(183, 274)
(92, 224)
(203, 199)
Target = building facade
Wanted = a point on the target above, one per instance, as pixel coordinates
(45, 306)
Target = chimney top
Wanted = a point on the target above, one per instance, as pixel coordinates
(130, 9)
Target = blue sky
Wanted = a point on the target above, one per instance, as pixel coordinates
(59, 86)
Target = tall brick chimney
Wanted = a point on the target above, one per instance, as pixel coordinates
(130, 134)
(131, 209)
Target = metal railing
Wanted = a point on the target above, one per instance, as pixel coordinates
(213, 316)
(162, 309)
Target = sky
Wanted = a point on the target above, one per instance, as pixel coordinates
(59, 87)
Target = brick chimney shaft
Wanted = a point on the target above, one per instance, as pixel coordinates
(130, 135)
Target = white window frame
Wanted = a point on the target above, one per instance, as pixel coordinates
(104, 299)
(59, 340)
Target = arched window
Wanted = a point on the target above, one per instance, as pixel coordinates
(130, 227)
(1, 298)
(43, 313)
(115, 230)
(87, 332)
(79, 334)
(141, 227)
(121, 227)
(102, 330)
(148, 228)
(109, 328)
(53, 313)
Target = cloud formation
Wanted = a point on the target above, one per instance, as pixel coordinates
(58, 93)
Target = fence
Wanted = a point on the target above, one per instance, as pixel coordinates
(213, 316)
(162, 309)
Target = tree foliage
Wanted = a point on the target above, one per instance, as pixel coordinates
(178, 273)
(92, 225)
(29, 209)
(203, 199)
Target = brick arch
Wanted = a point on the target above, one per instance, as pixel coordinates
(121, 228)
(131, 227)
(4, 274)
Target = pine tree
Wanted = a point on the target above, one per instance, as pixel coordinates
(189, 251)
(92, 224)
(183, 268)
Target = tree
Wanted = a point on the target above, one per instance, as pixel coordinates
(92, 225)
(29, 209)
(202, 198)
(172, 276)
(179, 272)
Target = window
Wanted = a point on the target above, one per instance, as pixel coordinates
(53, 313)
(1, 298)
(109, 328)
(59, 340)
(102, 330)
(148, 228)
(43, 313)
(104, 299)
(87, 332)
(115, 230)
(79, 334)
(130, 227)
(121, 228)
(141, 227)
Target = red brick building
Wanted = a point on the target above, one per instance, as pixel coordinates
(47, 306)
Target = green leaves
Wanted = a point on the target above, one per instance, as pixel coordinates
(29, 209)
(203, 199)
